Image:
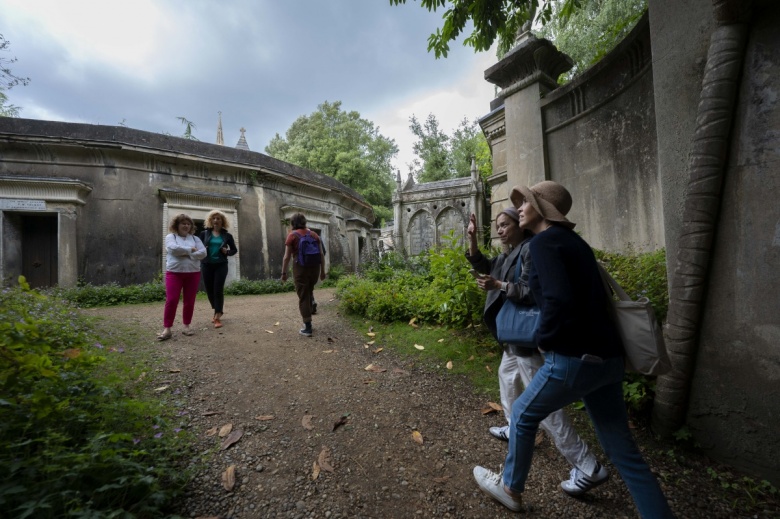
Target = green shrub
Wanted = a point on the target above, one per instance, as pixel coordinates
(90, 296)
(244, 287)
(641, 274)
(73, 442)
(335, 273)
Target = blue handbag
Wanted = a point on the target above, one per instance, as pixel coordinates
(517, 324)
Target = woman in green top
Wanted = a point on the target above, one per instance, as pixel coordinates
(214, 267)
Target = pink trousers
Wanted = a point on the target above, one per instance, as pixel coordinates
(175, 284)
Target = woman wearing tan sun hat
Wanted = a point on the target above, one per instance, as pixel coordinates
(583, 358)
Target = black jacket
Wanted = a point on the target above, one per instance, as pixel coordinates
(205, 237)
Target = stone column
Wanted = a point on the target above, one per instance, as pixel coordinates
(525, 75)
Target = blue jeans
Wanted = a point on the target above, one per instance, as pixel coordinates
(561, 381)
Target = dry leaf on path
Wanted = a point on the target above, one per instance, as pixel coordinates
(324, 460)
(341, 421)
(229, 478)
(268, 331)
(378, 350)
(369, 381)
(161, 388)
(399, 371)
(212, 431)
(264, 417)
(315, 470)
(419, 346)
(225, 430)
(495, 406)
(174, 371)
(141, 376)
(211, 413)
(442, 479)
(306, 422)
(328, 351)
(417, 436)
(371, 334)
(449, 364)
(440, 340)
(232, 438)
(375, 369)
(370, 343)
(276, 323)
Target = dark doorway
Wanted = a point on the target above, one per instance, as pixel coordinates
(39, 249)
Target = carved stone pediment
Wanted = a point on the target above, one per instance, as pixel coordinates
(532, 59)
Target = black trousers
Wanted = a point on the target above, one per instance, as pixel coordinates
(214, 275)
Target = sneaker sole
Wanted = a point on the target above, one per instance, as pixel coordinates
(580, 492)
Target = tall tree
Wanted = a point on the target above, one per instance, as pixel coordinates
(8, 80)
(442, 156)
(344, 146)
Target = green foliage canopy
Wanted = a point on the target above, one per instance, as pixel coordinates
(443, 157)
(7, 81)
(344, 146)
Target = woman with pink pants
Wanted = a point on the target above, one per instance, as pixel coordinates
(182, 273)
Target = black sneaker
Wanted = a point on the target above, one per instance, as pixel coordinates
(306, 330)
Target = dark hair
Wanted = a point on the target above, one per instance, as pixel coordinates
(298, 221)
(179, 218)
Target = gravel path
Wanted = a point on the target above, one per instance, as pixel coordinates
(284, 393)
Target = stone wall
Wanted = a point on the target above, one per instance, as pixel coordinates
(115, 189)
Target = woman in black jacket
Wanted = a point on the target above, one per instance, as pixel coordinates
(214, 267)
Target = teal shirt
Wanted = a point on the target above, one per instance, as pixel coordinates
(215, 243)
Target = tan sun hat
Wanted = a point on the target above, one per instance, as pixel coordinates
(550, 199)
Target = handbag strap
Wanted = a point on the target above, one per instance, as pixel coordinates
(518, 266)
(610, 283)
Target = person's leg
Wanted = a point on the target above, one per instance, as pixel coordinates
(558, 426)
(220, 275)
(207, 271)
(510, 384)
(304, 290)
(190, 282)
(173, 286)
(608, 412)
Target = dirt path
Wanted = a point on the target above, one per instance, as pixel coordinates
(241, 372)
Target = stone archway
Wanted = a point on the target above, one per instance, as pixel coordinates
(420, 232)
(450, 220)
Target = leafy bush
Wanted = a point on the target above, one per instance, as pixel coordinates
(73, 442)
(335, 273)
(244, 287)
(90, 296)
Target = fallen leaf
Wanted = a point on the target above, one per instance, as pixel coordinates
(488, 368)
(231, 439)
(211, 413)
(495, 406)
(416, 436)
(371, 334)
(378, 350)
(471, 358)
(412, 320)
(449, 364)
(375, 369)
(315, 470)
(306, 422)
(212, 431)
(331, 300)
(269, 331)
(71, 353)
(229, 478)
(539, 438)
(442, 479)
(419, 346)
(225, 430)
(365, 346)
(469, 326)
(400, 371)
(341, 421)
(369, 381)
(264, 417)
(161, 388)
(324, 460)
(440, 340)
(141, 376)
(328, 351)
(174, 371)
(488, 410)
(370, 342)
(276, 323)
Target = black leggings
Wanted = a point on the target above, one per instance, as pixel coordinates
(214, 275)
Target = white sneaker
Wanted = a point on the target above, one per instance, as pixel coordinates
(502, 433)
(493, 485)
(579, 483)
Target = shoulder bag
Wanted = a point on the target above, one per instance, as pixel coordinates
(517, 324)
(643, 339)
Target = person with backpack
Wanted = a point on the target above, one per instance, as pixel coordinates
(305, 247)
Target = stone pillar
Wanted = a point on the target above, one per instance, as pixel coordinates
(67, 259)
(398, 235)
(525, 75)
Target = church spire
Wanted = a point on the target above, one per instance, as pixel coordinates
(220, 139)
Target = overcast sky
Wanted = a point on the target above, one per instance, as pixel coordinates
(262, 63)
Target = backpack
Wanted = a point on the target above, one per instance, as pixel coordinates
(308, 251)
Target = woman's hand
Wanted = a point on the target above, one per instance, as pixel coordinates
(284, 276)
(488, 283)
(224, 250)
(471, 230)
(194, 249)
